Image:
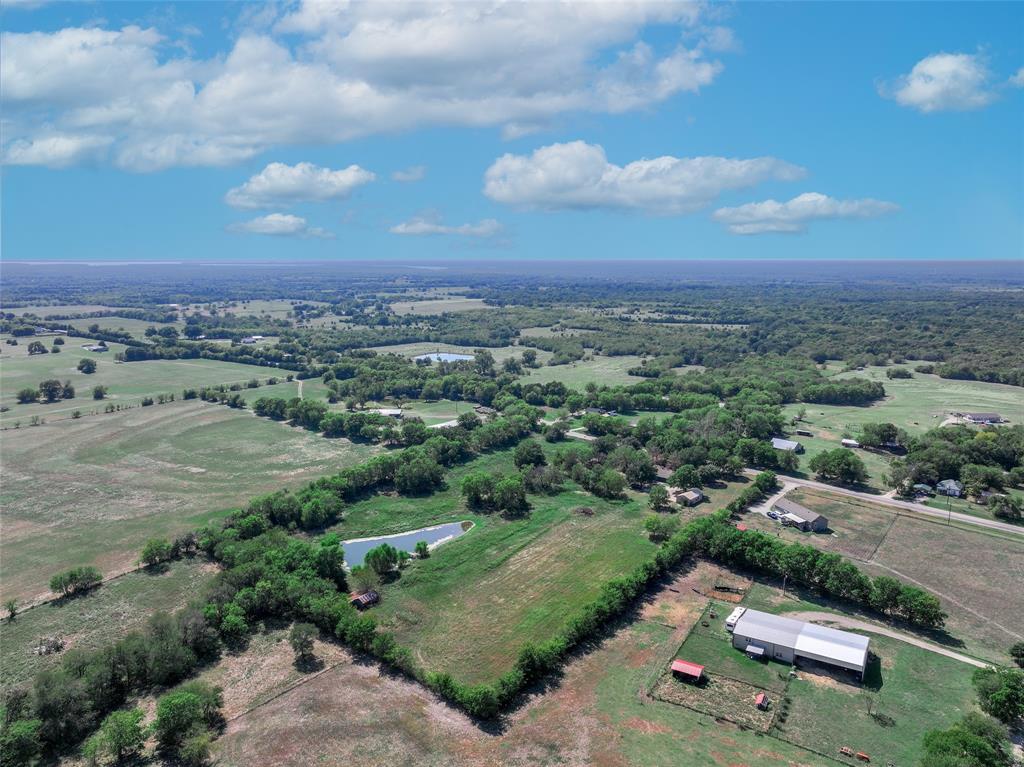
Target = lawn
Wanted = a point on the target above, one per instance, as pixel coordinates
(506, 581)
(437, 412)
(93, 490)
(600, 370)
(97, 618)
(127, 382)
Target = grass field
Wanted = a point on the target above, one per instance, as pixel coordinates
(439, 306)
(97, 618)
(609, 371)
(93, 490)
(500, 353)
(42, 310)
(127, 382)
(436, 412)
(137, 328)
(915, 404)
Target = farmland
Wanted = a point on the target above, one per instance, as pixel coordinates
(927, 553)
(439, 306)
(500, 353)
(120, 478)
(127, 383)
(605, 371)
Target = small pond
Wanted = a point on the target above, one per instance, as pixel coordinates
(444, 357)
(355, 550)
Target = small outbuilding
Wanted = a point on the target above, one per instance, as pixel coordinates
(789, 445)
(690, 497)
(983, 418)
(690, 672)
(849, 443)
(761, 701)
(364, 600)
(391, 412)
(922, 489)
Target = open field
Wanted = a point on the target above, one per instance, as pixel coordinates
(875, 461)
(42, 310)
(437, 412)
(137, 328)
(595, 714)
(599, 370)
(439, 306)
(928, 553)
(127, 382)
(915, 404)
(499, 353)
(551, 331)
(97, 618)
(93, 490)
(273, 308)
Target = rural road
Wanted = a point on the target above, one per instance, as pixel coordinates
(882, 500)
(873, 628)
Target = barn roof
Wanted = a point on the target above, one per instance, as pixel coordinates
(689, 669)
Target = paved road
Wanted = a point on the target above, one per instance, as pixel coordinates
(916, 508)
(874, 628)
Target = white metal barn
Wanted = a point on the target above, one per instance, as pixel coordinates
(765, 635)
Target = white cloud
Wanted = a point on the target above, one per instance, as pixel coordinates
(355, 69)
(281, 225)
(578, 175)
(279, 184)
(56, 151)
(488, 227)
(1017, 79)
(411, 174)
(943, 82)
(794, 216)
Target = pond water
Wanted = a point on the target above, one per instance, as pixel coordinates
(355, 550)
(444, 357)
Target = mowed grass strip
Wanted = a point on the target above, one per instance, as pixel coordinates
(97, 618)
(92, 491)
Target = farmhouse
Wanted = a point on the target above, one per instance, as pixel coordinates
(787, 444)
(983, 418)
(690, 497)
(950, 487)
(801, 517)
(772, 636)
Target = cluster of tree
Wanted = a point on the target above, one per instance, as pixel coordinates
(588, 469)
(1000, 692)
(975, 741)
(988, 458)
(76, 580)
(839, 465)
(883, 435)
(846, 391)
(496, 492)
(50, 390)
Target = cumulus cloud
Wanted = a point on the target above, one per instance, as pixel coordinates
(56, 151)
(279, 184)
(1017, 79)
(943, 82)
(488, 227)
(333, 71)
(281, 225)
(578, 175)
(411, 174)
(793, 216)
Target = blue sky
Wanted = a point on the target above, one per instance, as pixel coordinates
(752, 130)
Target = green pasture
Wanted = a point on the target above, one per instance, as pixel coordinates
(137, 328)
(439, 306)
(500, 353)
(92, 490)
(610, 371)
(97, 618)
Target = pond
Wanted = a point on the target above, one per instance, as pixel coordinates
(444, 357)
(355, 549)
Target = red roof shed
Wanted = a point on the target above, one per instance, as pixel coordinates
(741, 527)
(689, 670)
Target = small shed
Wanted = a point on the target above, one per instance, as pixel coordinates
(366, 599)
(849, 443)
(922, 489)
(761, 701)
(683, 669)
(690, 497)
(790, 446)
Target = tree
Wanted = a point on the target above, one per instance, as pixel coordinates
(28, 395)
(477, 488)
(382, 559)
(978, 477)
(184, 714)
(422, 549)
(75, 580)
(20, 742)
(839, 465)
(510, 494)
(51, 389)
(155, 551)
(528, 453)
(1017, 653)
(657, 499)
(418, 475)
(99, 392)
(120, 736)
(1000, 692)
(684, 476)
(364, 579)
(36, 347)
(1006, 507)
(660, 527)
(87, 366)
(301, 639)
(974, 741)
(11, 605)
